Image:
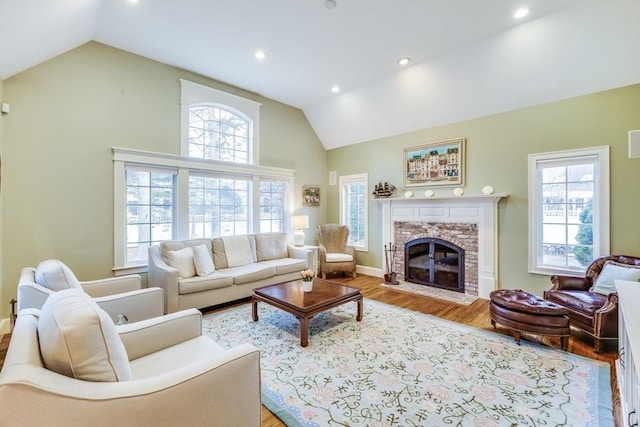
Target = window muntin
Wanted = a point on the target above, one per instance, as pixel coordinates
(272, 205)
(354, 209)
(149, 205)
(569, 210)
(218, 133)
(218, 206)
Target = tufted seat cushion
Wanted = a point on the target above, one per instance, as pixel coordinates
(524, 312)
(525, 302)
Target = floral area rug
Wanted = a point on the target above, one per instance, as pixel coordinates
(402, 368)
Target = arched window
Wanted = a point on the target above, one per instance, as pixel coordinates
(219, 133)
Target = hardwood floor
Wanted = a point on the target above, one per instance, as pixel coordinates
(476, 314)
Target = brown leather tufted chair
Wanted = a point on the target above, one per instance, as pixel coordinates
(593, 313)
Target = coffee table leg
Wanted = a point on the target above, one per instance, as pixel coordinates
(516, 336)
(359, 315)
(254, 309)
(304, 331)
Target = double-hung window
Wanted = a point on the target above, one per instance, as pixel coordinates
(568, 210)
(354, 209)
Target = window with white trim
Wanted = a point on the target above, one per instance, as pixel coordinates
(150, 202)
(568, 210)
(218, 206)
(218, 133)
(273, 197)
(354, 208)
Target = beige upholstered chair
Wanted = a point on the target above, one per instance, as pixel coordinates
(121, 295)
(334, 255)
(69, 365)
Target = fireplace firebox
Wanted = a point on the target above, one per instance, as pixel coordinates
(434, 262)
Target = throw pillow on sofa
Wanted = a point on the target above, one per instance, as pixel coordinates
(183, 261)
(203, 261)
(605, 283)
(271, 246)
(78, 339)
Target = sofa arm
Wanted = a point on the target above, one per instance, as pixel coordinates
(112, 285)
(135, 305)
(570, 283)
(224, 389)
(301, 253)
(152, 335)
(162, 275)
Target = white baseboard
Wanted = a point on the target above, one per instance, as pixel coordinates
(369, 271)
(5, 326)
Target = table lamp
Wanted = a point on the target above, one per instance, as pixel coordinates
(299, 223)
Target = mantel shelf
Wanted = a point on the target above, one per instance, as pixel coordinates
(465, 197)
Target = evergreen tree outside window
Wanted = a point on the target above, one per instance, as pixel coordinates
(218, 133)
(272, 205)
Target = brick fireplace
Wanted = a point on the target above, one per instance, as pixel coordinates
(470, 222)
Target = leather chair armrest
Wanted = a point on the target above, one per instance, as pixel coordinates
(112, 285)
(605, 319)
(570, 283)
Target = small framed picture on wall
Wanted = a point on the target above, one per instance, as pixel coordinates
(310, 196)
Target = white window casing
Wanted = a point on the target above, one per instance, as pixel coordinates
(361, 243)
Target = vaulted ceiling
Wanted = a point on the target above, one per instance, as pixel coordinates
(469, 58)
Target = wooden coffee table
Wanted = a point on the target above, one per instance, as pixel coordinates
(289, 297)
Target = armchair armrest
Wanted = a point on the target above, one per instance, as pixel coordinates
(136, 305)
(112, 285)
(570, 283)
(151, 335)
(351, 251)
(31, 295)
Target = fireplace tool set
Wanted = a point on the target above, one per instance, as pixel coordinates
(389, 258)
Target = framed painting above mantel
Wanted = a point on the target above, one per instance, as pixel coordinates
(435, 164)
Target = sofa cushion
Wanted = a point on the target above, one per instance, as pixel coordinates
(249, 273)
(203, 260)
(605, 282)
(271, 246)
(237, 250)
(55, 275)
(287, 265)
(194, 284)
(182, 260)
(78, 339)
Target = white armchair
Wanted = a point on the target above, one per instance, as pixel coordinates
(115, 295)
(174, 375)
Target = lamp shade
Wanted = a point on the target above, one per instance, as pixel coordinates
(300, 222)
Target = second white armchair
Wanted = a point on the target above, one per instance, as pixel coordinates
(122, 295)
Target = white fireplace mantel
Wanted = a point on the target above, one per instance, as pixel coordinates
(467, 209)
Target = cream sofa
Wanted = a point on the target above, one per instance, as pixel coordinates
(69, 365)
(241, 264)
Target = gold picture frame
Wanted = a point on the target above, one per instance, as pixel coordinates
(435, 164)
(310, 196)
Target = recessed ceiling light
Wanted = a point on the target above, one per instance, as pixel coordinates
(330, 4)
(335, 89)
(521, 13)
(404, 61)
(260, 54)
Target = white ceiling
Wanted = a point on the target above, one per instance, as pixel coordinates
(469, 57)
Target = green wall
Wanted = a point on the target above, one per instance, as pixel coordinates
(496, 154)
(67, 114)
